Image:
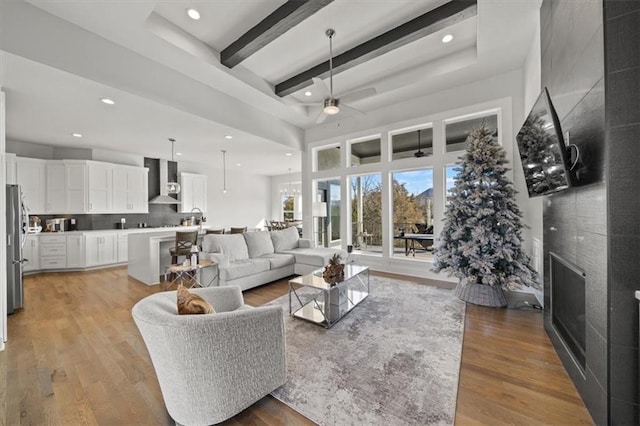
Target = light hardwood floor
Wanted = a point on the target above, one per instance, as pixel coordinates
(75, 357)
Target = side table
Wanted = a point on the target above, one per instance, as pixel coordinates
(189, 275)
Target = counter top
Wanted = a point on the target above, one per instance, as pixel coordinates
(127, 231)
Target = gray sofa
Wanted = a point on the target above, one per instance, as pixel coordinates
(211, 367)
(255, 258)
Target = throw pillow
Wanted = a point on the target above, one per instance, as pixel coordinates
(258, 243)
(190, 303)
(284, 240)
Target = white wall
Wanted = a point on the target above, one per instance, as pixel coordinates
(248, 198)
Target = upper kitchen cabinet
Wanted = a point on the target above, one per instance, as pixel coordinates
(99, 183)
(31, 176)
(66, 188)
(130, 189)
(193, 192)
(56, 188)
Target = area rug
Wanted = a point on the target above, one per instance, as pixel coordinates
(393, 360)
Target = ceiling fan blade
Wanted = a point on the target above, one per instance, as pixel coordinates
(350, 109)
(321, 88)
(321, 117)
(358, 94)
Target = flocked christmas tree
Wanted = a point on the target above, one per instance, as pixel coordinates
(481, 241)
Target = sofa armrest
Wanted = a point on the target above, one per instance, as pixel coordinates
(221, 259)
(223, 298)
(304, 243)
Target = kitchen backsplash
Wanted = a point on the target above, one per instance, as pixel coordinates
(159, 215)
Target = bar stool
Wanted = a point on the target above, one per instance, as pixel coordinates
(215, 231)
(184, 242)
(238, 230)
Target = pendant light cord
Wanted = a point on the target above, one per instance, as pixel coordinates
(224, 171)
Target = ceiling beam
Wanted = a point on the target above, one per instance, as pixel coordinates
(273, 26)
(441, 17)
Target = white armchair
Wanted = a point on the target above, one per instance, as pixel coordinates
(211, 367)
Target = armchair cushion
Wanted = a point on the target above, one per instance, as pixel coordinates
(258, 243)
(286, 239)
(232, 245)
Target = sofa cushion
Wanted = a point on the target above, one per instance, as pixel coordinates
(232, 245)
(316, 256)
(243, 268)
(279, 260)
(258, 243)
(286, 239)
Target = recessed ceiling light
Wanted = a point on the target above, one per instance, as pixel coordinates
(193, 14)
(308, 93)
(288, 154)
(178, 153)
(76, 135)
(228, 137)
(447, 38)
(238, 164)
(108, 101)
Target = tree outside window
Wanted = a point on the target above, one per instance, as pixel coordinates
(366, 213)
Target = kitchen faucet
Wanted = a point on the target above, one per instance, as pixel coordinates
(197, 210)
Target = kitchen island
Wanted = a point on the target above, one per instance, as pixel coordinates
(149, 252)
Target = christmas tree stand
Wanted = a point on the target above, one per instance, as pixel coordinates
(481, 294)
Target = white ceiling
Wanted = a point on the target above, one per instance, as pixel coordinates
(163, 69)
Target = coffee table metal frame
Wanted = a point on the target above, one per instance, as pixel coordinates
(331, 302)
(189, 275)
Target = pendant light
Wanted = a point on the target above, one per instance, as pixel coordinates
(224, 171)
(290, 191)
(419, 153)
(173, 187)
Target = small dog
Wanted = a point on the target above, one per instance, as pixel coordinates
(190, 303)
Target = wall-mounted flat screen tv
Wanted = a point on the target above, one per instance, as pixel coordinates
(542, 149)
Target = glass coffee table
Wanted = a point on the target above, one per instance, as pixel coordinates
(326, 304)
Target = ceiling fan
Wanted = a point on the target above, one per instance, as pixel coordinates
(333, 105)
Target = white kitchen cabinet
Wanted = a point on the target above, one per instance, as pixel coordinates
(123, 248)
(30, 173)
(11, 172)
(193, 192)
(130, 190)
(99, 184)
(31, 252)
(75, 251)
(76, 188)
(100, 249)
(53, 251)
(56, 193)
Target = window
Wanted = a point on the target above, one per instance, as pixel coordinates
(451, 171)
(366, 213)
(288, 212)
(328, 158)
(456, 131)
(365, 152)
(328, 230)
(416, 143)
(413, 213)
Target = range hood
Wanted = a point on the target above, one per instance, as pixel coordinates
(164, 197)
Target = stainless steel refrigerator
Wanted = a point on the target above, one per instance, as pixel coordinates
(17, 222)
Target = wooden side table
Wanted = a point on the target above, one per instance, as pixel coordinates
(189, 275)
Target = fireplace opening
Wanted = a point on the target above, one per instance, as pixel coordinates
(568, 306)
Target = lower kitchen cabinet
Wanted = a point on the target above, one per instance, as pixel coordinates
(123, 248)
(75, 251)
(53, 251)
(100, 249)
(31, 252)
